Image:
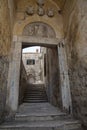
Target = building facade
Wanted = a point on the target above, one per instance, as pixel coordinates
(33, 66)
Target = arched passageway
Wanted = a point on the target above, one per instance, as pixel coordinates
(41, 34)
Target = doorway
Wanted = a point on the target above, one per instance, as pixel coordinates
(41, 69)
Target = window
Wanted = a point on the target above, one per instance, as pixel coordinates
(30, 62)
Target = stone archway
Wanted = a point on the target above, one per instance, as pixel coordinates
(14, 67)
(35, 35)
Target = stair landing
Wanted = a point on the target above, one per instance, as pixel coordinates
(38, 109)
(41, 116)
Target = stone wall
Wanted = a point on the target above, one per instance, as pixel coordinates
(5, 43)
(3, 83)
(75, 28)
(5, 30)
(23, 83)
(52, 83)
(34, 71)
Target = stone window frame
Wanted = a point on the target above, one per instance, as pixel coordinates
(30, 62)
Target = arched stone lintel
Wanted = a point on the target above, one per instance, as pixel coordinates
(20, 25)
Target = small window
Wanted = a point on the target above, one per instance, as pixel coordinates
(30, 62)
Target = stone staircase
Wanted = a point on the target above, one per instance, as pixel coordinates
(41, 116)
(35, 93)
(37, 114)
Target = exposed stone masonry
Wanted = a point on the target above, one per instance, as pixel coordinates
(23, 83)
(76, 48)
(78, 76)
(3, 84)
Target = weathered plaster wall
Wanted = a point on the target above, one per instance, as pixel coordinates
(12, 9)
(52, 76)
(5, 30)
(75, 28)
(60, 3)
(5, 43)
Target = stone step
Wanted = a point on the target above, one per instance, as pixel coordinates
(34, 101)
(28, 92)
(35, 96)
(37, 100)
(41, 125)
(35, 88)
(39, 128)
(41, 116)
(38, 117)
(35, 92)
(31, 99)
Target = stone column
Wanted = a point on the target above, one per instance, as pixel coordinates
(64, 78)
(14, 77)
